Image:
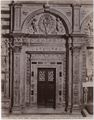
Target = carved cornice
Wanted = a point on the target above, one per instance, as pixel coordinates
(45, 52)
(60, 2)
(11, 35)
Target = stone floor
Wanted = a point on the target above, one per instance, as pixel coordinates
(46, 114)
(44, 117)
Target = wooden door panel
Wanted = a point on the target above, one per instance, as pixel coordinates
(50, 95)
(41, 95)
(46, 87)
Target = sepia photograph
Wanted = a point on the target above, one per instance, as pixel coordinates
(47, 59)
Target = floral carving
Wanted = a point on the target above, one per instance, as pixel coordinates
(87, 26)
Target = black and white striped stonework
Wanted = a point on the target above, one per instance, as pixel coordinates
(5, 17)
(5, 28)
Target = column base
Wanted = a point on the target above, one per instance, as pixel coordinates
(76, 109)
(16, 110)
(5, 106)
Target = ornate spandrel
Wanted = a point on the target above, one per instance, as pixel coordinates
(44, 23)
(87, 26)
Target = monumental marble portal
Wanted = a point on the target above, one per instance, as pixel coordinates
(47, 45)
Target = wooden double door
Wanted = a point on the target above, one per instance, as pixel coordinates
(46, 87)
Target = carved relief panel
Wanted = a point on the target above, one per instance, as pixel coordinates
(87, 25)
(44, 23)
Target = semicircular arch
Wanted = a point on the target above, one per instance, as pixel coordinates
(63, 18)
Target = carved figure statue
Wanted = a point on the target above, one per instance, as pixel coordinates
(33, 24)
(90, 26)
(85, 94)
(59, 25)
(45, 23)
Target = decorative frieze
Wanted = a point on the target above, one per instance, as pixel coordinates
(39, 41)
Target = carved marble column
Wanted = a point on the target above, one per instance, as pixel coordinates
(76, 53)
(16, 80)
(82, 72)
(27, 82)
(76, 56)
(70, 73)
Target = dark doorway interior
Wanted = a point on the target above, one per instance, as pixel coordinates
(46, 87)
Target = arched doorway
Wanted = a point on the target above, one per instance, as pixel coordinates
(41, 61)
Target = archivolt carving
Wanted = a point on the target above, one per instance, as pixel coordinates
(31, 21)
(87, 25)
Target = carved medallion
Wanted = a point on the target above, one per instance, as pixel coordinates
(46, 23)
